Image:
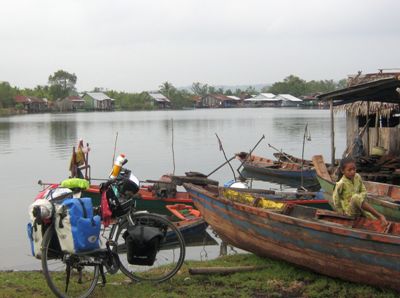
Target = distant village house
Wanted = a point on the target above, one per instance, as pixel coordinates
(219, 101)
(263, 100)
(289, 100)
(32, 104)
(98, 101)
(196, 101)
(160, 101)
(70, 103)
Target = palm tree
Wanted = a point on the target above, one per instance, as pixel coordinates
(166, 88)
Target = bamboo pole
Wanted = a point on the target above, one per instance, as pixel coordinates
(367, 149)
(332, 134)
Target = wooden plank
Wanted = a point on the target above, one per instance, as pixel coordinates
(320, 167)
(332, 133)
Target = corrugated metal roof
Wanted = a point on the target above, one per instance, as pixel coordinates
(100, 96)
(268, 95)
(263, 97)
(384, 90)
(159, 97)
(233, 97)
(289, 97)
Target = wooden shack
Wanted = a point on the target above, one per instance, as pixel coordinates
(371, 103)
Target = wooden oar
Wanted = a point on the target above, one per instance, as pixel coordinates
(283, 153)
(249, 154)
(221, 148)
(226, 162)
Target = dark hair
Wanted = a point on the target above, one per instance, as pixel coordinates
(345, 161)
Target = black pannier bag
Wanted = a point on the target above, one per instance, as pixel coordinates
(143, 243)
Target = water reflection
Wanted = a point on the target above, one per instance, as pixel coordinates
(5, 138)
(40, 145)
(62, 135)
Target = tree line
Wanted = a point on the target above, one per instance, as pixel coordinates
(298, 87)
(62, 84)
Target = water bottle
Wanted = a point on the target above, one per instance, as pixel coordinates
(119, 161)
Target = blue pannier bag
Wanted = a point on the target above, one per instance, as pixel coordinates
(77, 229)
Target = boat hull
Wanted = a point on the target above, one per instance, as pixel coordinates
(337, 252)
(145, 201)
(276, 172)
(268, 167)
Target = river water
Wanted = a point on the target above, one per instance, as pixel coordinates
(34, 147)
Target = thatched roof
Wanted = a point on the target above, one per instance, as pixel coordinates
(359, 108)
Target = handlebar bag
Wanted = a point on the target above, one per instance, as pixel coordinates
(143, 243)
(77, 229)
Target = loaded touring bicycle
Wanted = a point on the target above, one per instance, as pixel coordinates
(78, 243)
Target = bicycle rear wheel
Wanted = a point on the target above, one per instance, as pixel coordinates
(67, 275)
(170, 253)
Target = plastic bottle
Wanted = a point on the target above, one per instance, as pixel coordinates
(117, 166)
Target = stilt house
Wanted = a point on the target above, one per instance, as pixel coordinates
(371, 103)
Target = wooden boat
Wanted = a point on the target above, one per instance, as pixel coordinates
(184, 212)
(194, 232)
(327, 243)
(269, 167)
(383, 197)
(153, 195)
(148, 198)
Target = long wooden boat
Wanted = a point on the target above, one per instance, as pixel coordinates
(269, 167)
(382, 196)
(334, 245)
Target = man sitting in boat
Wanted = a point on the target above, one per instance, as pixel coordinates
(350, 193)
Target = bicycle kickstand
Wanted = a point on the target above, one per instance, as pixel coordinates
(103, 276)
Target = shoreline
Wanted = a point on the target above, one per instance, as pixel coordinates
(274, 279)
(13, 112)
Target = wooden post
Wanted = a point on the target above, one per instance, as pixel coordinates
(223, 249)
(367, 147)
(224, 270)
(332, 134)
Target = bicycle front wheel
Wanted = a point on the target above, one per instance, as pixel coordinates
(67, 275)
(169, 255)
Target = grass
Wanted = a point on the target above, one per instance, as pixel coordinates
(279, 279)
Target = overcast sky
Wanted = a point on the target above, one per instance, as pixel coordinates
(137, 45)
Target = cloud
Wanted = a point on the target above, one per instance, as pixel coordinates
(135, 45)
